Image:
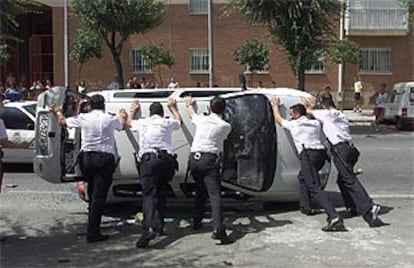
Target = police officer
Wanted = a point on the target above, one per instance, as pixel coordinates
(312, 154)
(157, 163)
(211, 131)
(97, 161)
(345, 155)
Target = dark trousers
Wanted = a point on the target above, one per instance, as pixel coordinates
(353, 192)
(156, 173)
(311, 161)
(97, 168)
(206, 173)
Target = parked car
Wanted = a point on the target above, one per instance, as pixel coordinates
(400, 107)
(19, 118)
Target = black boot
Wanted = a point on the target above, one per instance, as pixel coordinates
(335, 225)
(146, 237)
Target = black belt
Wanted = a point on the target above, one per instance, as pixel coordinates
(199, 155)
(343, 143)
(159, 154)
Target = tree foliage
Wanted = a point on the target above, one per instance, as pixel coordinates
(114, 21)
(158, 55)
(301, 27)
(85, 45)
(254, 54)
(342, 51)
(9, 12)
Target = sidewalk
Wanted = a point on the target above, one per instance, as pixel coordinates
(366, 117)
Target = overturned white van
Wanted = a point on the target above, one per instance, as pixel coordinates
(259, 159)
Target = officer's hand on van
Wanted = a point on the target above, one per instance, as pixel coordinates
(275, 101)
(188, 100)
(171, 103)
(134, 106)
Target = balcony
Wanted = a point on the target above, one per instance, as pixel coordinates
(374, 18)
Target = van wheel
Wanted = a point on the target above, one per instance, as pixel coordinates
(399, 124)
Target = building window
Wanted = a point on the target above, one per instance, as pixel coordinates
(318, 67)
(198, 7)
(375, 60)
(139, 63)
(198, 60)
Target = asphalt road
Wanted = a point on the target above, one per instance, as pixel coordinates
(42, 225)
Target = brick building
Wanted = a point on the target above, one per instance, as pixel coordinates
(380, 27)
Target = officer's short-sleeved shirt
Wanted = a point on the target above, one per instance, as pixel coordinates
(306, 133)
(335, 125)
(3, 130)
(97, 130)
(211, 131)
(154, 133)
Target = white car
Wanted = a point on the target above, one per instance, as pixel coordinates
(19, 118)
(400, 107)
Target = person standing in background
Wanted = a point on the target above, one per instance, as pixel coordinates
(358, 88)
(380, 103)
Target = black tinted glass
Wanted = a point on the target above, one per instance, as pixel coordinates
(143, 95)
(14, 118)
(209, 93)
(31, 109)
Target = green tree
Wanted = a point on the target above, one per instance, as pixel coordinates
(158, 55)
(115, 20)
(301, 27)
(254, 54)
(85, 45)
(343, 51)
(9, 12)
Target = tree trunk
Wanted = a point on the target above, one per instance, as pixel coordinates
(301, 79)
(118, 66)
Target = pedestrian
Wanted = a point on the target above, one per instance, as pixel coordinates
(157, 165)
(327, 93)
(97, 161)
(306, 135)
(173, 83)
(114, 85)
(358, 88)
(345, 155)
(380, 103)
(204, 163)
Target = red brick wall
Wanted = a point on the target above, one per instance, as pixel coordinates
(182, 31)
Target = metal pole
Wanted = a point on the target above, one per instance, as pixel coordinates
(210, 44)
(65, 42)
(340, 67)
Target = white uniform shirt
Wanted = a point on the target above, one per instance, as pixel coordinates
(306, 133)
(335, 125)
(154, 133)
(211, 131)
(97, 130)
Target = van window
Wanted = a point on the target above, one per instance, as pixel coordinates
(15, 119)
(411, 96)
(31, 109)
(143, 95)
(208, 93)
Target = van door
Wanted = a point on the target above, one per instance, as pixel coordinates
(249, 159)
(57, 148)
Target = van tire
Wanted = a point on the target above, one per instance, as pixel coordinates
(399, 124)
